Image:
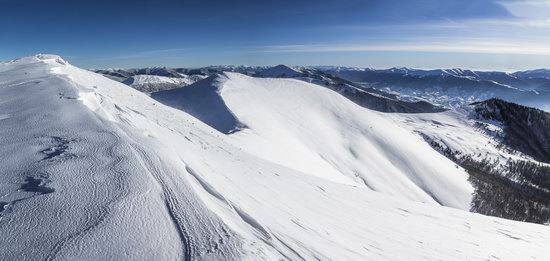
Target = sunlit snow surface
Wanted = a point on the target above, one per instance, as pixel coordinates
(92, 169)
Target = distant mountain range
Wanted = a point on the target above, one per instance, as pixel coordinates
(367, 97)
(390, 90)
(455, 87)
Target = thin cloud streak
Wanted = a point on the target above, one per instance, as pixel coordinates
(147, 54)
(448, 47)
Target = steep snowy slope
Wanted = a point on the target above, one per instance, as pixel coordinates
(275, 125)
(96, 170)
(286, 119)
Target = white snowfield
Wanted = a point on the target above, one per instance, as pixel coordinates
(317, 131)
(94, 170)
(139, 80)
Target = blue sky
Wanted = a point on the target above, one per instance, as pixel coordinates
(478, 34)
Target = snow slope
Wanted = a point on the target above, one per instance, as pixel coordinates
(110, 199)
(122, 177)
(202, 100)
(286, 119)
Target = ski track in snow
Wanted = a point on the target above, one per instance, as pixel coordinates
(119, 176)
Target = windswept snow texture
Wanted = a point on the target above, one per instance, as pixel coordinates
(137, 180)
(78, 184)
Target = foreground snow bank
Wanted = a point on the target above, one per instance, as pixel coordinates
(137, 180)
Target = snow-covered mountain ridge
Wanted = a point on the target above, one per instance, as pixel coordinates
(358, 144)
(100, 171)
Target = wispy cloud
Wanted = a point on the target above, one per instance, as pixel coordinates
(451, 46)
(527, 13)
(524, 31)
(147, 54)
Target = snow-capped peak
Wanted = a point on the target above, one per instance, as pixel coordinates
(48, 58)
(279, 71)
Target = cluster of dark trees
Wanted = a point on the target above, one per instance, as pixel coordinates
(525, 129)
(517, 190)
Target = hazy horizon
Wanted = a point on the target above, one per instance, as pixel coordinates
(504, 35)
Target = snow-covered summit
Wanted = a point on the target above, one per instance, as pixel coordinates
(50, 57)
(279, 71)
(41, 57)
